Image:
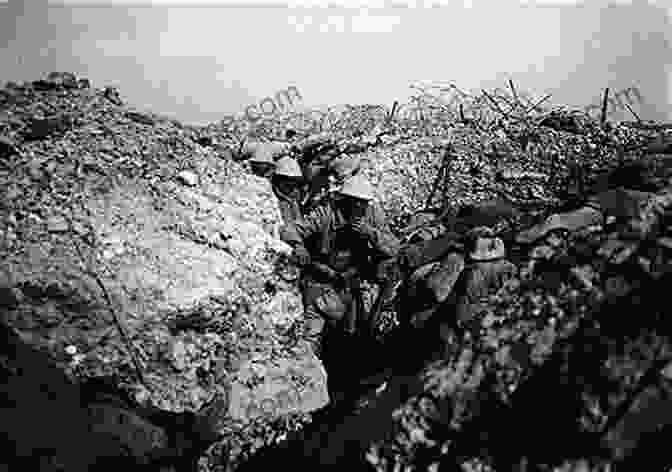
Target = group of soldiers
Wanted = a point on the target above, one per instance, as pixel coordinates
(339, 236)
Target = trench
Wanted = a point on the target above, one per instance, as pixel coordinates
(338, 436)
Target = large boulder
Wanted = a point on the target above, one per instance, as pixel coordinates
(38, 399)
(109, 248)
(276, 391)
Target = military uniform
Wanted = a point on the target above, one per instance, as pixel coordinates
(288, 186)
(335, 248)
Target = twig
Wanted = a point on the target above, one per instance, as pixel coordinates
(649, 377)
(513, 92)
(439, 176)
(605, 99)
(492, 100)
(108, 300)
(542, 100)
(393, 111)
(633, 112)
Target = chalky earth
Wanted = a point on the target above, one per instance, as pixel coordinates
(140, 250)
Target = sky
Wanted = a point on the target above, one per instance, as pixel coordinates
(200, 62)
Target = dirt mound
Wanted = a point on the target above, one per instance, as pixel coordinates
(585, 217)
(131, 247)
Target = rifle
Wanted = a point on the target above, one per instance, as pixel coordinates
(387, 291)
(354, 318)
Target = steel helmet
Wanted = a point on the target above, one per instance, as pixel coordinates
(485, 246)
(288, 167)
(278, 149)
(357, 186)
(263, 154)
(344, 166)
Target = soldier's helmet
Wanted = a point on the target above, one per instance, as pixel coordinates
(288, 167)
(484, 245)
(263, 154)
(344, 167)
(357, 186)
(290, 132)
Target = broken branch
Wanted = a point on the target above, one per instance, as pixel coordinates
(605, 99)
(497, 107)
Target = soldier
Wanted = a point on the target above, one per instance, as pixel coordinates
(333, 172)
(290, 134)
(262, 163)
(344, 239)
(288, 185)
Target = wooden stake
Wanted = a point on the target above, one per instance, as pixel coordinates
(532, 107)
(605, 99)
(492, 100)
(513, 91)
(633, 113)
(393, 111)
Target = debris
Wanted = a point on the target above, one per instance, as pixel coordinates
(57, 224)
(7, 147)
(140, 118)
(188, 178)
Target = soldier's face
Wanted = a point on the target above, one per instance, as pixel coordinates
(353, 208)
(262, 169)
(286, 184)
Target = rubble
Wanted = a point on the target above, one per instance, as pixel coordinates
(92, 202)
(581, 233)
(185, 242)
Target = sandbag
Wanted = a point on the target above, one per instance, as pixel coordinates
(433, 283)
(441, 280)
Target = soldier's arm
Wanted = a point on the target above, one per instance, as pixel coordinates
(385, 242)
(297, 232)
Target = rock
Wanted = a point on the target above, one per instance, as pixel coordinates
(649, 412)
(56, 81)
(283, 386)
(584, 275)
(617, 286)
(7, 147)
(58, 289)
(621, 203)
(571, 221)
(483, 245)
(617, 251)
(664, 242)
(442, 279)
(41, 128)
(423, 226)
(488, 213)
(63, 79)
(557, 122)
(206, 141)
(625, 253)
(57, 224)
(188, 178)
(179, 355)
(480, 280)
(9, 296)
(140, 118)
(554, 240)
(112, 94)
(510, 174)
(113, 429)
(543, 252)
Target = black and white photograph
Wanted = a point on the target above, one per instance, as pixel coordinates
(339, 235)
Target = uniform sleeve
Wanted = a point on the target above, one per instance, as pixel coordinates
(385, 242)
(297, 232)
